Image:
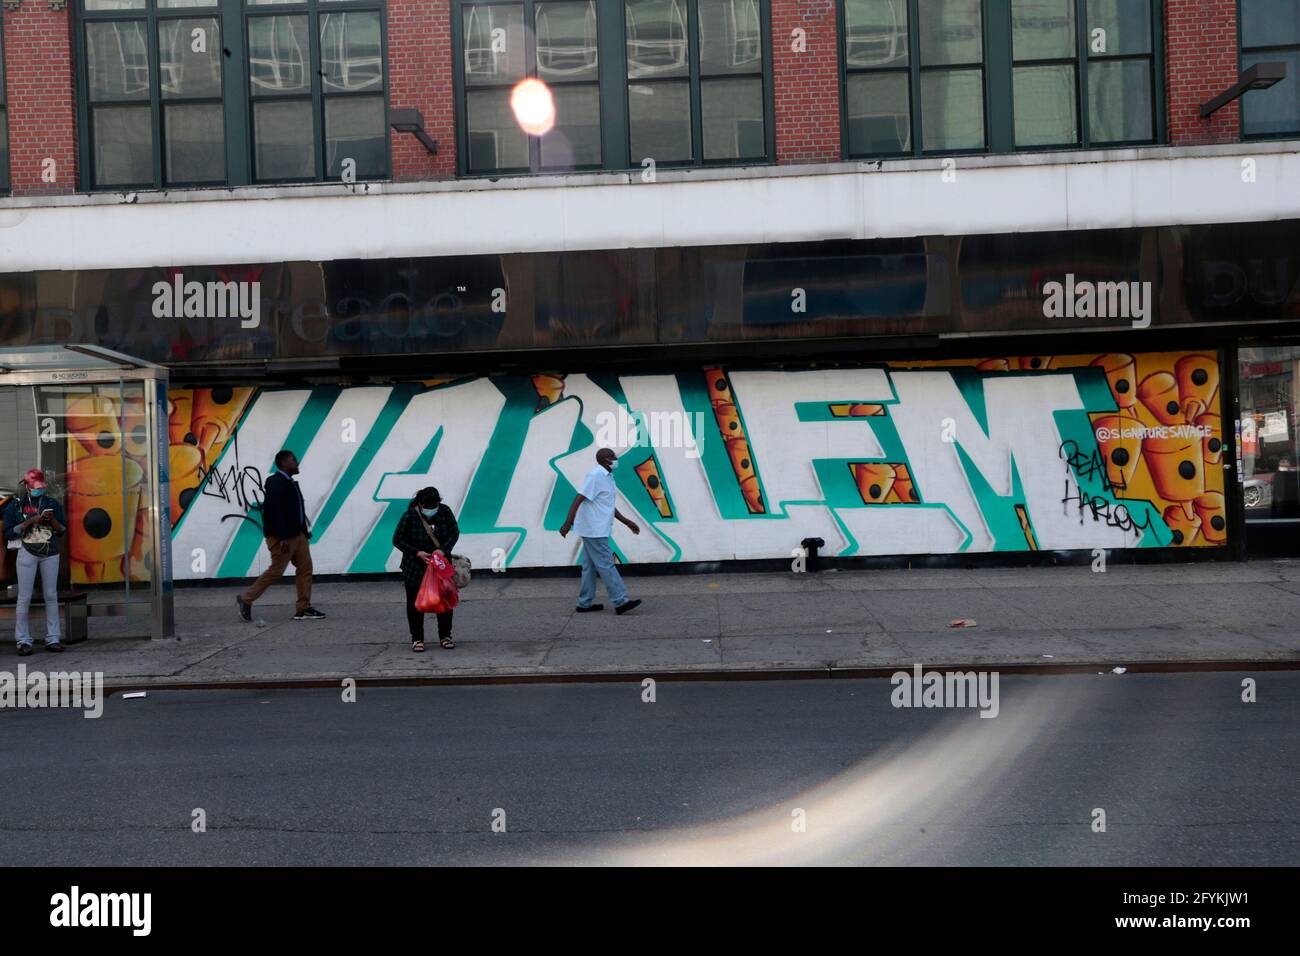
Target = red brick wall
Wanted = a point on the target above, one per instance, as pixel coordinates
(806, 84)
(419, 76)
(1201, 62)
(39, 93)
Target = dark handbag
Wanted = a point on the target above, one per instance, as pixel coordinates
(459, 563)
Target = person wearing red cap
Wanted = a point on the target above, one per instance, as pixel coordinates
(34, 523)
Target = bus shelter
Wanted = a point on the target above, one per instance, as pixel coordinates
(96, 422)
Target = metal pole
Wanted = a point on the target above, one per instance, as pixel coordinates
(162, 604)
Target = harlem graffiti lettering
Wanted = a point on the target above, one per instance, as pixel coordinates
(1112, 514)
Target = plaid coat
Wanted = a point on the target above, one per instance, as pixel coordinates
(410, 538)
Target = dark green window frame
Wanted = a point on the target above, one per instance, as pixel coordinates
(237, 96)
(1248, 55)
(613, 87)
(4, 117)
(999, 66)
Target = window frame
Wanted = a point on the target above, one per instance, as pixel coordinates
(237, 96)
(612, 84)
(998, 71)
(1242, 135)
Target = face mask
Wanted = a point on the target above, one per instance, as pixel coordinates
(37, 492)
(613, 464)
(428, 512)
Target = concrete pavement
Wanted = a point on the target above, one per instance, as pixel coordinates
(705, 623)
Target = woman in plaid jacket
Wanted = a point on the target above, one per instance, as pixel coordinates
(417, 548)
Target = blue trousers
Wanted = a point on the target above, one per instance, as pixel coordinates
(598, 558)
(28, 567)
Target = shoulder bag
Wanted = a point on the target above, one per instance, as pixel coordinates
(460, 564)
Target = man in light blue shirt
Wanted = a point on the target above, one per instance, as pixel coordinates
(592, 515)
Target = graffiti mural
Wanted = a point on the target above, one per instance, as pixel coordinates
(938, 457)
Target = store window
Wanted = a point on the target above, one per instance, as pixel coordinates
(1270, 440)
(679, 82)
(954, 76)
(1270, 31)
(227, 92)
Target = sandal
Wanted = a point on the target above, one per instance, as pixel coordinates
(447, 643)
(417, 646)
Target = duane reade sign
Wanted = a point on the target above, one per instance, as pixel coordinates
(1098, 300)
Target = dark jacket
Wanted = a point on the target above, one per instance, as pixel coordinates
(410, 538)
(284, 513)
(21, 507)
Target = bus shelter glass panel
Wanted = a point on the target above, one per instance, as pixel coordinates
(94, 445)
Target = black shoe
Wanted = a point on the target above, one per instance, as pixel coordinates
(55, 648)
(24, 650)
(594, 607)
(311, 614)
(627, 606)
(245, 610)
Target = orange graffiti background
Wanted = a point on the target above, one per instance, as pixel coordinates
(1181, 475)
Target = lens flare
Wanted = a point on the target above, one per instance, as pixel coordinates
(533, 106)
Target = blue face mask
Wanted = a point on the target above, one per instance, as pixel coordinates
(37, 492)
(428, 512)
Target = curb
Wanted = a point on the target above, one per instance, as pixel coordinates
(767, 674)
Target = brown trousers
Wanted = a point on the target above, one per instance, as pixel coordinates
(300, 555)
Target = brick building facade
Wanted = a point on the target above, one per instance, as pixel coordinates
(1200, 60)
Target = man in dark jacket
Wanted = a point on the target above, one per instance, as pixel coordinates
(284, 523)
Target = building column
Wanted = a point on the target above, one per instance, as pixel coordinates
(806, 81)
(41, 104)
(1200, 63)
(419, 76)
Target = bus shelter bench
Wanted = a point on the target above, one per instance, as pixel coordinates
(73, 613)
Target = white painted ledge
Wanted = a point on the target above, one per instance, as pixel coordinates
(1019, 193)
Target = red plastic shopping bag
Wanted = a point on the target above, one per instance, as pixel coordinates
(447, 585)
(446, 580)
(438, 592)
(428, 600)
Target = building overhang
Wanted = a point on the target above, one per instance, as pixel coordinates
(960, 196)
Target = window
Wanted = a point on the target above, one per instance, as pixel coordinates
(316, 90)
(695, 88)
(4, 118)
(228, 92)
(682, 82)
(555, 41)
(1270, 31)
(952, 76)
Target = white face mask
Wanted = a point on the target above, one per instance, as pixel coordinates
(613, 464)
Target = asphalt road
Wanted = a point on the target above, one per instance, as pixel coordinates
(815, 771)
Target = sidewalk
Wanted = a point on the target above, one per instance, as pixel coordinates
(726, 623)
